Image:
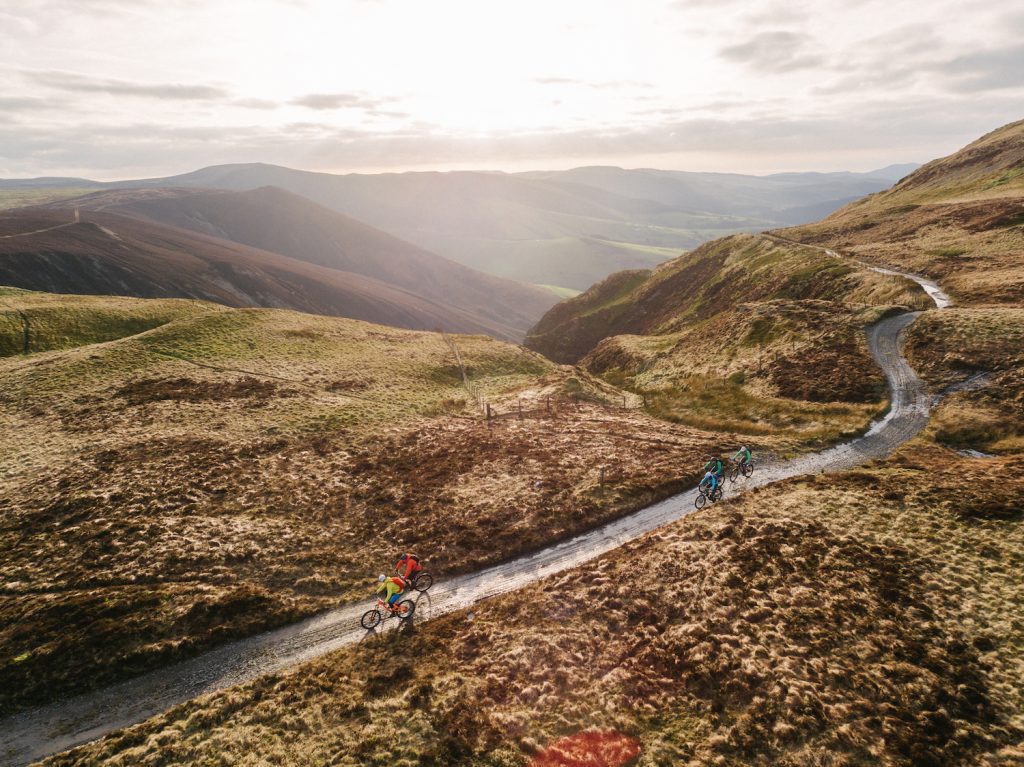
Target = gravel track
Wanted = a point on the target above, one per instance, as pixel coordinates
(35, 734)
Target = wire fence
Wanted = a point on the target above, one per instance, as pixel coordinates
(546, 406)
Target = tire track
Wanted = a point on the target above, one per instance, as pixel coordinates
(35, 734)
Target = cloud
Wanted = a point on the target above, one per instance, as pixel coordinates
(76, 83)
(255, 103)
(601, 85)
(775, 51)
(912, 129)
(998, 69)
(326, 101)
(10, 104)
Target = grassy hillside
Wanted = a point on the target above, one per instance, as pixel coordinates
(33, 322)
(711, 280)
(17, 198)
(231, 470)
(958, 219)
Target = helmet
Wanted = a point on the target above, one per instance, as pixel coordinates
(381, 578)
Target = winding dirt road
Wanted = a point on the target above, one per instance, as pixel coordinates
(35, 734)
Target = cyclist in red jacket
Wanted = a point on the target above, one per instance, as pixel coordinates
(408, 565)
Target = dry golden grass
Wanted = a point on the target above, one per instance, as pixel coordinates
(870, 617)
(796, 368)
(235, 470)
(959, 219)
(958, 345)
(48, 321)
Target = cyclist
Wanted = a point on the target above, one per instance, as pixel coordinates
(743, 455)
(710, 480)
(408, 566)
(716, 466)
(393, 588)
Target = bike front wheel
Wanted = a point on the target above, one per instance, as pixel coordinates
(405, 609)
(371, 619)
(735, 475)
(423, 582)
(700, 500)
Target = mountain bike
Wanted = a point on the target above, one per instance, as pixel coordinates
(382, 611)
(703, 496)
(421, 581)
(745, 469)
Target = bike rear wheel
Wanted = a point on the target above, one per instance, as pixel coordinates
(371, 619)
(405, 609)
(748, 469)
(423, 581)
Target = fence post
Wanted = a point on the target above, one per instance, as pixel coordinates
(488, 406)
(520, 410)
(623, 401)
(602, 477)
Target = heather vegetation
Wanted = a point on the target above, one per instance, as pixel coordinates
(229, 470)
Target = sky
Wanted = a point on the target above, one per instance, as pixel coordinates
(113, 89)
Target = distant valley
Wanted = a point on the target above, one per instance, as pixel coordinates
(562, 228)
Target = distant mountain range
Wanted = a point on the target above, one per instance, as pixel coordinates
(565, 228)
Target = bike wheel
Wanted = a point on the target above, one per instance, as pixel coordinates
(748, 469)
(405, 609)
(700, 500)
(423, 582)
(371, 619)
(735, 475)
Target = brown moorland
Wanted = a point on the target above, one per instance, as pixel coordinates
(237, 469)
(869, 617)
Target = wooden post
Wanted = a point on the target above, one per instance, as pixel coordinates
(602, 477)
(623, 401)
(520, 410)
(488, 405)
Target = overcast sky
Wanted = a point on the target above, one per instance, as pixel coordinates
(127, 88)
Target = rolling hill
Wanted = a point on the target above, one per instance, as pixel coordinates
(342, 267)
(567, 228)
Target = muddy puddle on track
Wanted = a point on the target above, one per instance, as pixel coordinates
(35, 734)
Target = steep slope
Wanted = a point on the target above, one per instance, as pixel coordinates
(958, 219)
(108, 253)
(274, 220)
(717, 277)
